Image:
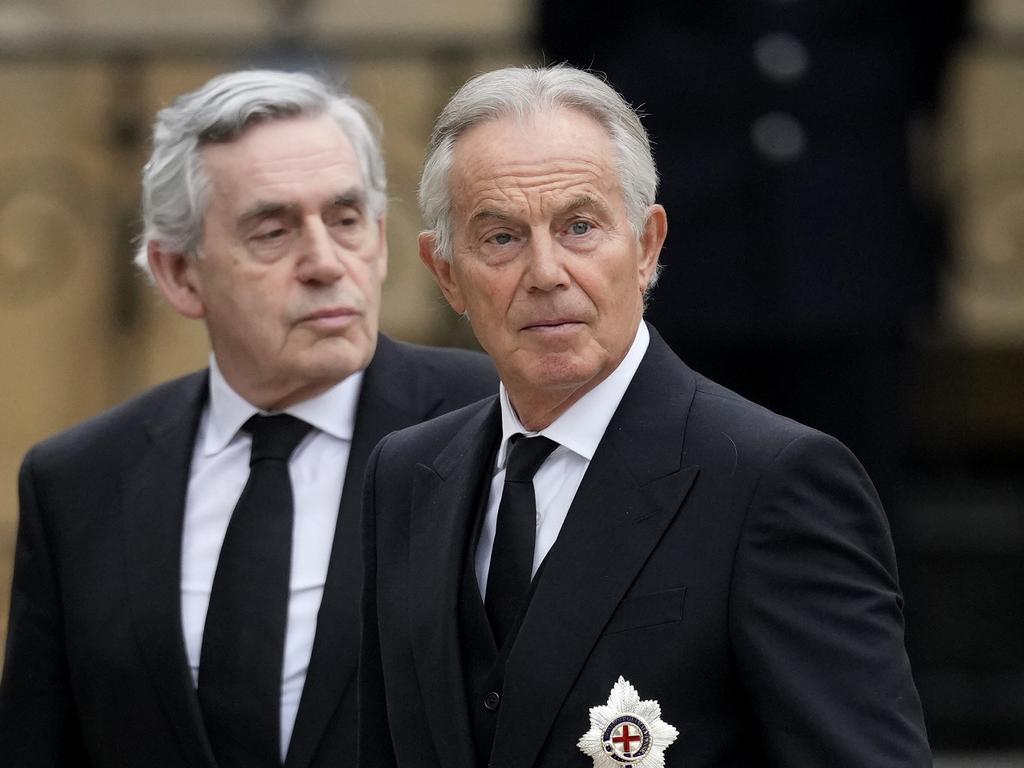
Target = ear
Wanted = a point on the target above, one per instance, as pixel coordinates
(382, 234)
(177, 277)
(442, 272)
(651, 242)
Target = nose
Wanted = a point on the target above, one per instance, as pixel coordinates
(320, 258)
(546, 269)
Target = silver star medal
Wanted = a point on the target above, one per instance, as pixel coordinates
(627, 731)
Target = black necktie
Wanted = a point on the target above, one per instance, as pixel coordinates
(243, 638)
(508, 579)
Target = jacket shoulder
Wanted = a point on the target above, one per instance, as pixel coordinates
(462, 375)
(116, 430)
(720, 415)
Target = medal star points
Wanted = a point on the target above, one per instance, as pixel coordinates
(627, 731)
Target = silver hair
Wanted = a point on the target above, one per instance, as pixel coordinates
(175, 185)
(518, 93)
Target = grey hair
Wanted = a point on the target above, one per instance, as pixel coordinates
(175, 185)
(519, 93)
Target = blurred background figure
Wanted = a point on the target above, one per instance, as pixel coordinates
(789, 151)
(799, 254)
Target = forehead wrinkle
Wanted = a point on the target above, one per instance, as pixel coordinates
(507, 180)
(496, 193)
(538, 173)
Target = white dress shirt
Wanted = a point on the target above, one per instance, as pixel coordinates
(577, 432)
(220, 469)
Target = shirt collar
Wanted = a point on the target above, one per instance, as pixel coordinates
(333, 411)
(583, 425)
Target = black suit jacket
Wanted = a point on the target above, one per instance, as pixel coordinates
(732, 564)
(96, 672)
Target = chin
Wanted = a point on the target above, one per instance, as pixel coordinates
(331, 369)
(343, 368)
(341, 353)
(561, 372)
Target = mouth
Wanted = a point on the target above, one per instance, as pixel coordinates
(557, 325)
(330, 319)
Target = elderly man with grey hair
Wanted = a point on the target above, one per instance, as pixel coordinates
(614, 561)
(186, 581)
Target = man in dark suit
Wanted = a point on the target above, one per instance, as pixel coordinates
(706, 583)
(132, 629)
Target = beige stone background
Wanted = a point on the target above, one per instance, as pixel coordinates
(81, 79)
(80, 83)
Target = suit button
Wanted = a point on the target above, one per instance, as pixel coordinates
(491, 700)
(781, 57)
(778, 137)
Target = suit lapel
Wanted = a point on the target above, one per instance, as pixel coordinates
(393, 396)
(632, 491)
(154, 489)
(445, 497)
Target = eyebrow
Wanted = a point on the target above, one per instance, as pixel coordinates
(489, 213)
(354, 197)
(264, 210)
(584, 201)
(577, 203)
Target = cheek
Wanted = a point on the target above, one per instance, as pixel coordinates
(265, 306)
(494, 286)
(366, 272)
(376, 273)
(615, 287)
(488, 305)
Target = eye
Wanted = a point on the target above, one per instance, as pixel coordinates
(270, 235)
(580, 227)
(502, 238)
(345, 216)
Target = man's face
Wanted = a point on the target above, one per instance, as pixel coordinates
(545, 262)
(291, 261)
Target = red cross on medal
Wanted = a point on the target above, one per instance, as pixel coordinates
(627, 731)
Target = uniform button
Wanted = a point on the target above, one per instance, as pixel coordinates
(491, 700)
(781, 57)
(778, 136)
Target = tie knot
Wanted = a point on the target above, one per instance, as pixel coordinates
(274, 437)
(526, 454)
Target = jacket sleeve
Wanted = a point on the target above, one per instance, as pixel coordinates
(816, 617)
(38, 723)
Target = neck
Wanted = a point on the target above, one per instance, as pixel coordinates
(537, 410)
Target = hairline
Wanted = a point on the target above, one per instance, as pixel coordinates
(315, 98)
(441, 150)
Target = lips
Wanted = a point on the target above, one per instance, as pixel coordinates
(332, 320)
(325, 314)
(554, 324)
